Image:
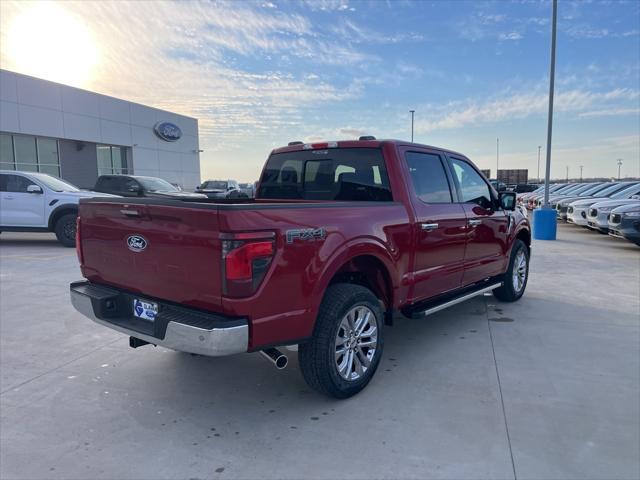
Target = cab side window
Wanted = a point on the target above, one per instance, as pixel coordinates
(472, 186)
(105, 184)
(428, 177)
(14, 183)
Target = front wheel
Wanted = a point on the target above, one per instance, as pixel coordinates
(346, 347)
(65, 229)
(517, 275)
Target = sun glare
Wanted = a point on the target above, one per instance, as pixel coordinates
(48, 42)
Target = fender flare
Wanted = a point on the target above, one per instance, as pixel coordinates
(60, 210)
(346, 252)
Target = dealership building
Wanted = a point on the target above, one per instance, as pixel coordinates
(77, 135)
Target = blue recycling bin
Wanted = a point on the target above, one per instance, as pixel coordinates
(544, 224)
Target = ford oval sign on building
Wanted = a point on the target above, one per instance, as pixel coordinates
(167, 131)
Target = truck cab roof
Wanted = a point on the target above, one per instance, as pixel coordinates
(298, 146)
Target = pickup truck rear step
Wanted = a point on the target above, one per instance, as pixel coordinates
(446, 301)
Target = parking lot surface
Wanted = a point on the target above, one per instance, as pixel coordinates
(548, 387)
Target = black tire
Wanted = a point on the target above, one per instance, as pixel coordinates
(508, 292)
(317, 357)
(65, 229)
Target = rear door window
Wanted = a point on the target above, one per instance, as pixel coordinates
(428, 177)
(343, 174)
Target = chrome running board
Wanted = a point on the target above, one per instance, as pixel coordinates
(455, 301)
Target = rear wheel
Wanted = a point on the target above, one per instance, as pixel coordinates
(515, 279)
(346, 347)
(65, 229)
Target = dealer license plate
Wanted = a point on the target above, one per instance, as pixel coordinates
(144, 309)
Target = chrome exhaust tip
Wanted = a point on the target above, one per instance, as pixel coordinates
(276, 357)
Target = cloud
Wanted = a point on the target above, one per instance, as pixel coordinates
(610, 112)
(592, 154)
(352, 132)
(409, 69)
(510, 36)
(521, 105)
(631, 33)
(583, 31)
(353, 32)
(483, 25)
(329, 5)
(490, 18)
(200, 59)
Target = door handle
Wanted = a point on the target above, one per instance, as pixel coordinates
(8, 198)
(475, 222)
(130, 213)
(428, 226)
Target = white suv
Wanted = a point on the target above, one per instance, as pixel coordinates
(37, 202)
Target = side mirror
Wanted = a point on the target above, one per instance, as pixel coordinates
(134, 189)
(198, 187)
(507, 200)
(34, 189)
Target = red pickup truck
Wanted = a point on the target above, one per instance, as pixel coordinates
(340, 237)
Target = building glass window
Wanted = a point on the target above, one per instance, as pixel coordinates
(26, 153)
(48, 160)
(7, 161)
(112, 160)
(29, 154)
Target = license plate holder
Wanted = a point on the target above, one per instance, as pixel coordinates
(144, 309)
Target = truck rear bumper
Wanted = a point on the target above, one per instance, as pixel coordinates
(178, 328)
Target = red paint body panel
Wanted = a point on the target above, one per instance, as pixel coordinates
(183, 261)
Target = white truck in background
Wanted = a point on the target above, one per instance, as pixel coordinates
(37, 202)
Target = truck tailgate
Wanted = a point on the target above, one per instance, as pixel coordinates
(178, 259)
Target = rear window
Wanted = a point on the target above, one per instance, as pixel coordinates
(343, 174)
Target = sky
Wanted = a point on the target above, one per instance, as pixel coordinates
(258, 74)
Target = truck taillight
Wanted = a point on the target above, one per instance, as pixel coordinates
(246, 258)
(78, 242)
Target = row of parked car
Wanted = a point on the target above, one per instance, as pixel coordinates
(607, 207)
(38, 202)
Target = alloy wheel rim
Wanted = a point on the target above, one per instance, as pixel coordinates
(519, 271)
(356, 343)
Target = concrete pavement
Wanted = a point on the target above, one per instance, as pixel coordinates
(545, 388)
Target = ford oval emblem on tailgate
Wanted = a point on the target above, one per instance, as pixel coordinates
(136, 243)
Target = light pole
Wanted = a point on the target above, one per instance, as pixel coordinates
(544, 222)
(538, 177)
(412, 113)
(581, 167)
(567, 173)
(619, 165)
(497, 156)
(552, 76)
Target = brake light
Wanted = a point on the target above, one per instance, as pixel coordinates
(321, 145)
(78, 244)
(246, 258)
(239, 261)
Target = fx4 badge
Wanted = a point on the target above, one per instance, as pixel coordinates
(306, 234)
